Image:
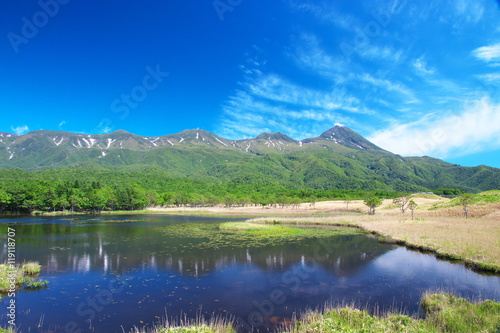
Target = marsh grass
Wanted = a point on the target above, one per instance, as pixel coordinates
(258, 229)
(7, 330)
(184, 325)
(443, 313)
(31, 268)
(454, 314)
(24, 276)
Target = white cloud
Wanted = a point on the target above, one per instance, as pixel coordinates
(326, 13)
(277, 89)
(381, 53)
(20, 129)
(471, 11)
(246, 115)
(310, 56)
(421, 67)
(61, 124)
(475, 129)
(491, 77)
(389, 86)
(103, 128)
(488, 53)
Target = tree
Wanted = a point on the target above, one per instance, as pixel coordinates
(229, 200)
(373, 202)
(465, 200)
(295, 202)
(5, 199)
(412, 205)
(402, 202)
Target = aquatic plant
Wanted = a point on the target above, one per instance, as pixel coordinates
(243, 234)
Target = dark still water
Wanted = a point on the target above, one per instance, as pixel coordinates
(108, 274)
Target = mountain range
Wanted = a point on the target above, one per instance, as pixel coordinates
(337, 159)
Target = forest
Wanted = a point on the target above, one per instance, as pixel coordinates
(94, 191)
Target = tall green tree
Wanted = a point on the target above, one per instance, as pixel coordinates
(372, 202)
(5, 199)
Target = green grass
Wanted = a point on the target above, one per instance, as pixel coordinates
(8, 330)
(31, 268)
(483, 198)
(453, 314)
(444, 314)
(259, 229)
(36, 284)
(24, 275)
(195, 329)
(198, 325)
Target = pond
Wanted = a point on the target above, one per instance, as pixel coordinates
(109, 274)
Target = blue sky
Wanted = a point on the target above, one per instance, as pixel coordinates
(416, 78)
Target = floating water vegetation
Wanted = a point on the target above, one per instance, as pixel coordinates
(243, 234)
(34, 284)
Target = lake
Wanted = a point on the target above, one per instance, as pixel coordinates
(108, 274)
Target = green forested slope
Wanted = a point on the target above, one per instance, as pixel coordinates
(337, 159)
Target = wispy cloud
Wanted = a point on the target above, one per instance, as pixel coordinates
(389, 86)
(325, 12)
(310, 56)
(421, 67)
(490, 77)
(20, 129)
(103, 128)
(247, 115)
(475, 129)
(471, 11)
(418, 96)
(379, 52)
(489, 53)
(277, 89)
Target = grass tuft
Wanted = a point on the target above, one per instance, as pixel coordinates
(444, 313)
(198, 325)
(23, 276)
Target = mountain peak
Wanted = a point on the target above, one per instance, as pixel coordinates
(347, 137)
(278, 136)
(7, 135)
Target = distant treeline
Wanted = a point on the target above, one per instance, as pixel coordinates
(96, 191)
(448, 191)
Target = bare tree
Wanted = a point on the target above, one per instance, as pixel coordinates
(465, 200)
(402, 202)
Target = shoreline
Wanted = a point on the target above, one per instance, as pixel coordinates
(441, 232)
(475, 266)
